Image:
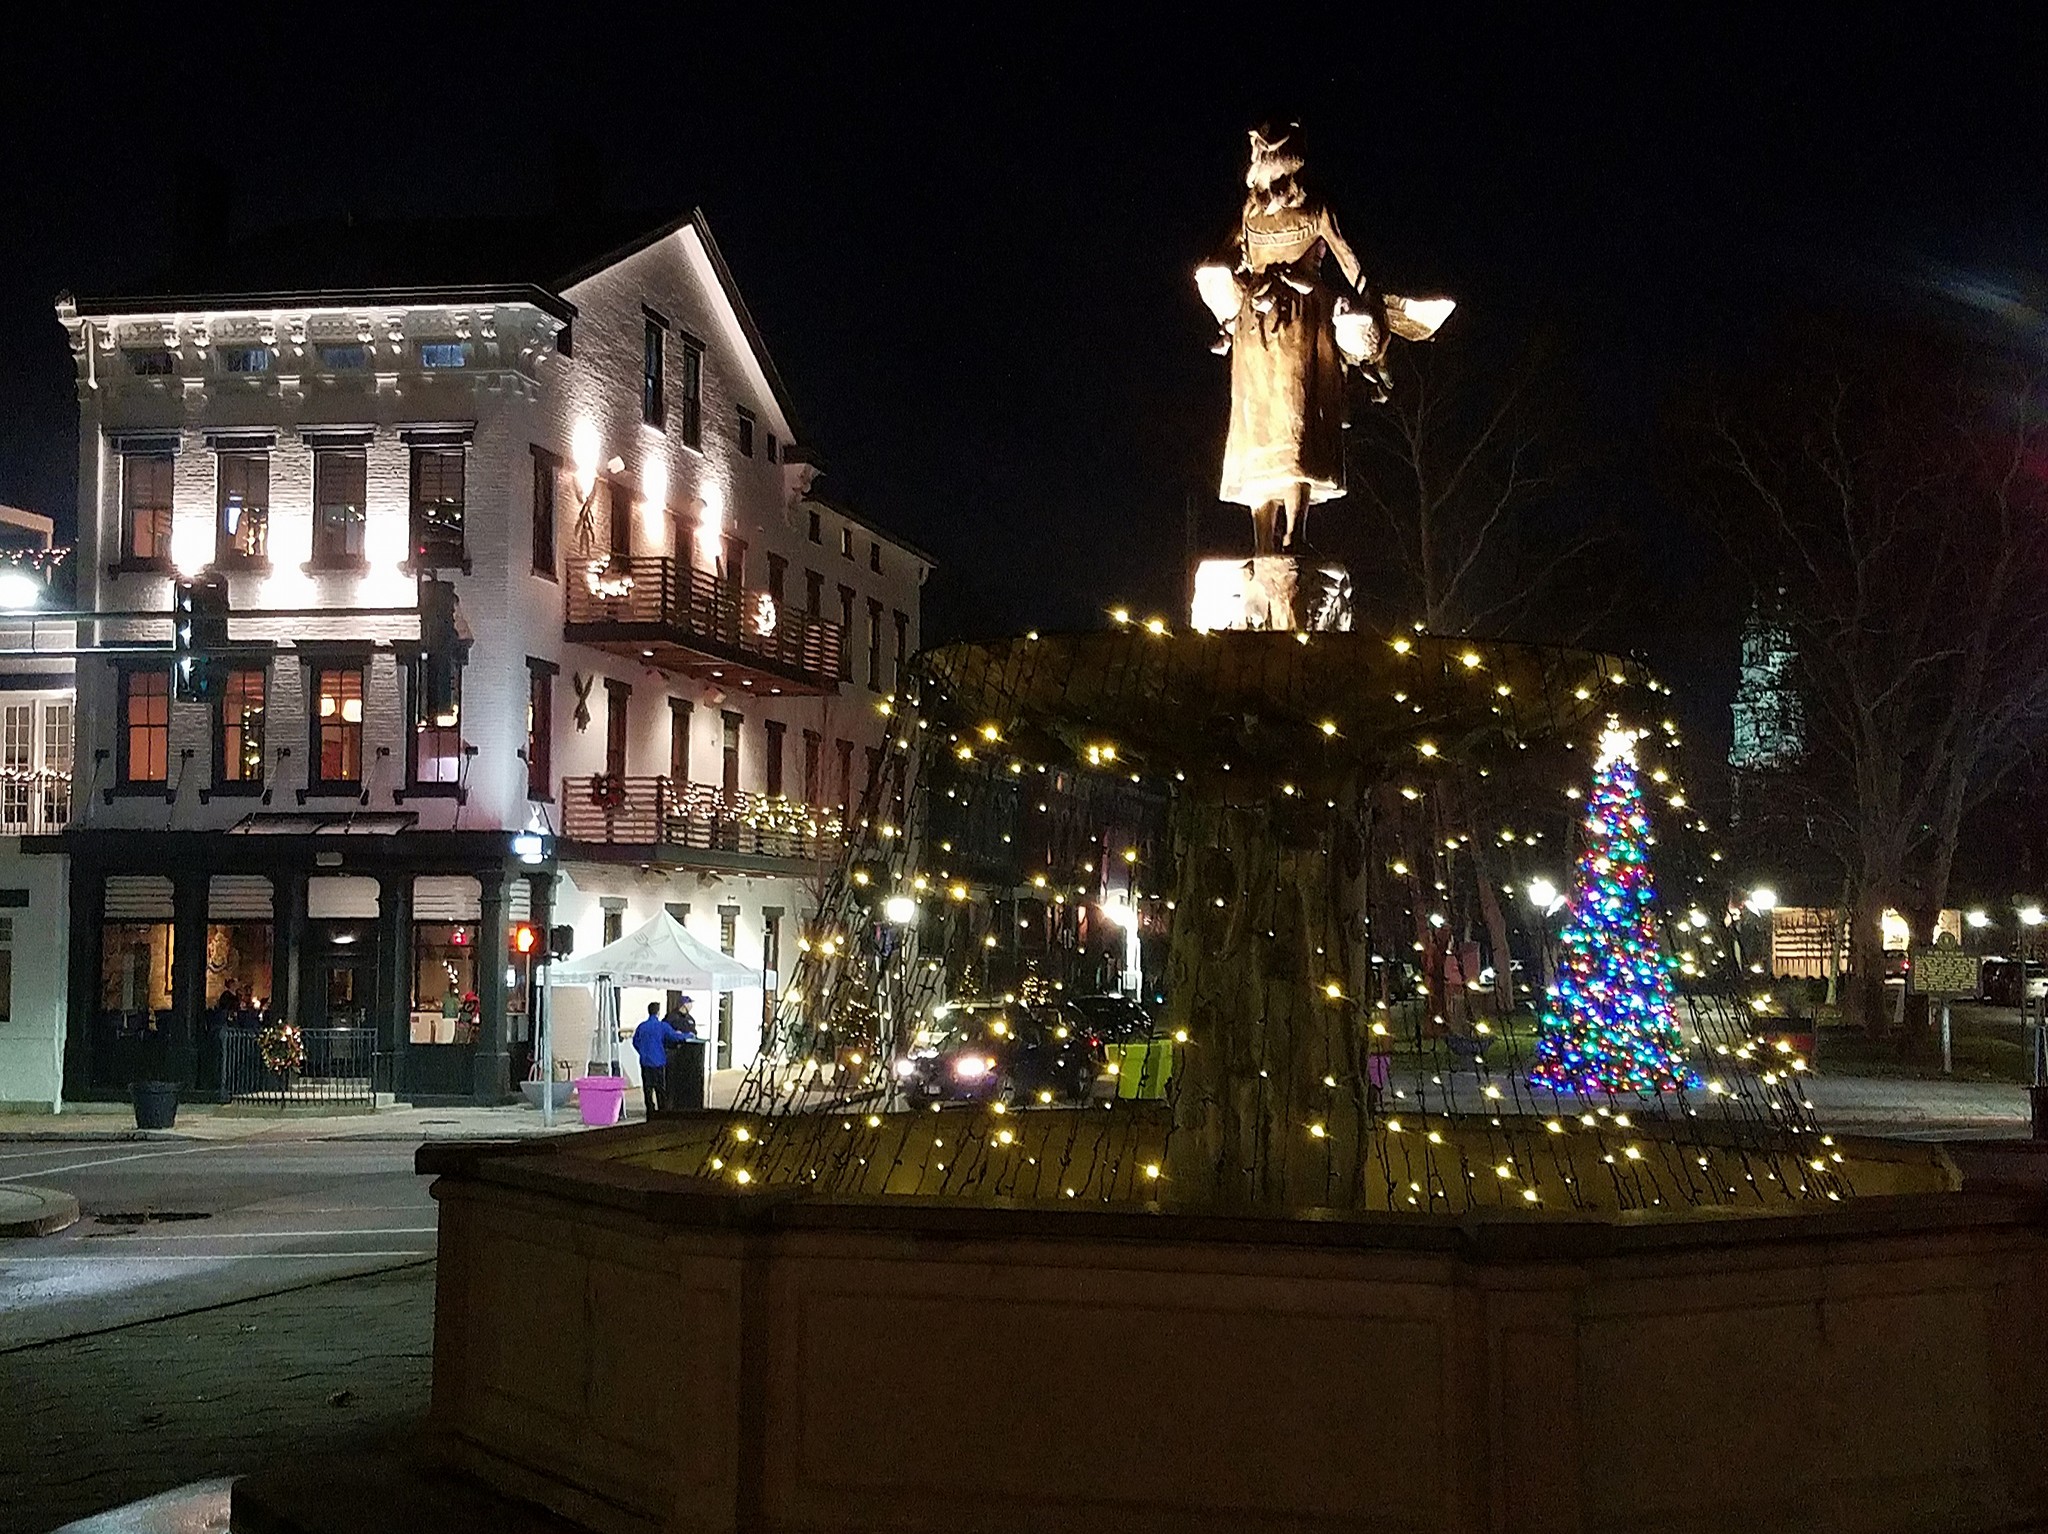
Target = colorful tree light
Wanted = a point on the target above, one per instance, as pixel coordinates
(1610, 1025)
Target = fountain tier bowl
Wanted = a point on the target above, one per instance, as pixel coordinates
(855, 1361)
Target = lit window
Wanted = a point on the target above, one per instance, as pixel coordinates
(245, 359)
(146, 506)
(444, 354)
(243, 483)
(146, 726)
(339, 478)
(349, 358)
(238, 748)
(437, 732)
(437, 506)
(338, 727)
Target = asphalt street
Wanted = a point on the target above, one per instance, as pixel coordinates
(168, 1227)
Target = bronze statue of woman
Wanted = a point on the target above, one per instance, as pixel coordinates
(1290, 333)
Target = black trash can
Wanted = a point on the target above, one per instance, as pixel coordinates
(156, 1104)
(686, 1075)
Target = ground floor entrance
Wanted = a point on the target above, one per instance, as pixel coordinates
(397, 956)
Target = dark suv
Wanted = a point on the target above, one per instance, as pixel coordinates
(1112, 1019)
(996, 1051)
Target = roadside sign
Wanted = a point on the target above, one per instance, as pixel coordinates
(1944, 971)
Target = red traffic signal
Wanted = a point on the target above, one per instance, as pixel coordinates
(524, 938)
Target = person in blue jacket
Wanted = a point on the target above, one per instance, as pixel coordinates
(650, 1042)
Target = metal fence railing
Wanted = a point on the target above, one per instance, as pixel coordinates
(342, 1068)
(658, 812)
(696, 607)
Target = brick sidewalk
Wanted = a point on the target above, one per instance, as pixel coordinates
(100, 1420)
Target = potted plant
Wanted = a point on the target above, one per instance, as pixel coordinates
(155, 1098)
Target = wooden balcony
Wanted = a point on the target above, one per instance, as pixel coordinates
(657, 820)
(692, 623)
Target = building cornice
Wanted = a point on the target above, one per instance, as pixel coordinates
(139, 305)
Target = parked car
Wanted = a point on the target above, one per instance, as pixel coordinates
(2006, 980)
(994, 1051)
(1112, 1019)
(1139, 1056)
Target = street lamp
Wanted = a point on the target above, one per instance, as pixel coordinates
(1544, 896)
(900, 910)
(20, 592)
(1763, 900)
(1978, 919)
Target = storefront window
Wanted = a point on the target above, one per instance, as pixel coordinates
(238, 967)
(444, 1003)
(135, 969)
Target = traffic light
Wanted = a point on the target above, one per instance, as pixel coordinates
(199, 635)
(442, 651)
(561, 941)
(524, 939)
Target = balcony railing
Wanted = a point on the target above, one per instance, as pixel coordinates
(692, 607)
(654, 812)
(34, 803)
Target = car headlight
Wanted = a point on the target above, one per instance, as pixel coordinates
(972, 1067)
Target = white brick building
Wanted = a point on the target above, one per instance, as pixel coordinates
(36, 731)
(660, 679)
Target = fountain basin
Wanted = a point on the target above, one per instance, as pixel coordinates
(643, 1350)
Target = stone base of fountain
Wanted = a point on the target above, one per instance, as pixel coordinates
(642, 1350)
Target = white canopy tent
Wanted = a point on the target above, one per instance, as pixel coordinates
(662, 956)
(659, 955)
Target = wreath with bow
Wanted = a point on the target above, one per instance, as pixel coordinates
(607, 791)
(283, 1048)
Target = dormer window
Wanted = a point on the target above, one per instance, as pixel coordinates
(156, 362)
(444, 354)
(245, 359)
(350, 358)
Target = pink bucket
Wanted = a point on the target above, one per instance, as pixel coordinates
(599, 1099)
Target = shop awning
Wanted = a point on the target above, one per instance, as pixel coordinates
(662, 956)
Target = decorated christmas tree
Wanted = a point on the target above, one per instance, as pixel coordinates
(1609, 1026)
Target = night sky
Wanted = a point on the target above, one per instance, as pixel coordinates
(970, 248)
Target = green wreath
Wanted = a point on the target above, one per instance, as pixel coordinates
(283, 1047)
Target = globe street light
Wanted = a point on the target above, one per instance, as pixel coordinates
(1763, 900)
(900, 910)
